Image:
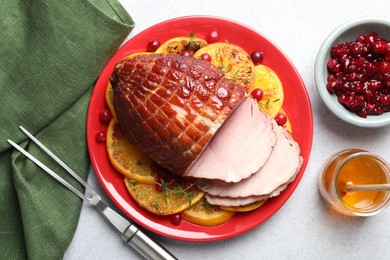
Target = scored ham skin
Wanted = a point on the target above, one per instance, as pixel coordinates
(170, 106)
(240, 147)
(279, 170)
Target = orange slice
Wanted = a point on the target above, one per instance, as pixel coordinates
(267, 80)
(204, 214)
(170, 201)
(233, 60)
(179, 44)
(109, 95)
(245, 208)
(126, 158)
(110, 100)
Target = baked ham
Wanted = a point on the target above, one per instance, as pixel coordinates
(183, 114)
(169, 106)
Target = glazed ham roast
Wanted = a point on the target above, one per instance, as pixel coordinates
(186, 116)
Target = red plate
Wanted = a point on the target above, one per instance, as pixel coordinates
(296, 104)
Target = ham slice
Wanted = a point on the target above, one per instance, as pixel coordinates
(236, 202)
(239, 148)
(279, 170)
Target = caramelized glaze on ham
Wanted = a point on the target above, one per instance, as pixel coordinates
(170, 106)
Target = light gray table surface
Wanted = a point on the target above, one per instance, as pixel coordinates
(304, 228)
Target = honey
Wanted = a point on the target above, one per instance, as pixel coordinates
(355, 166)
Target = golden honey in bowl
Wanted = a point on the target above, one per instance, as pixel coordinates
(357, 167)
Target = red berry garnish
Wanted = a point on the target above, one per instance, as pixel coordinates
(105, 116)
(153, 45)
(158, 185)
(100, 137)
(190, 185)
(176, 219)
(257, 94)
(185, 53)
(281, 119)
(118, 131)
(212, 37)
(205, 57)
(257, 57)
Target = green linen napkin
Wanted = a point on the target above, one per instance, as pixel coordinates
(51, 54)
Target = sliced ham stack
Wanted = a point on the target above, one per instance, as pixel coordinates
(273, 177)
(183, 114)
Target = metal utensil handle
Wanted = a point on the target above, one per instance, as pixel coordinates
(147, 247)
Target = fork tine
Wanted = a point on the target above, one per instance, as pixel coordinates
(52, 155)
(47, 169)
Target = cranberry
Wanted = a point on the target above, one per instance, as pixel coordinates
(158, 185)
(257, 57)
(281, 119)
(205, 56)
(384, 67)
(384, 100)
(190, 185)
(100, 137)
(379, 46)
(333, 85)
(153, 45)
(359, 74)
(185, 53)
(105, 116)
(173, 181)
(257, 94)
(212, 36)
(118, 131)
(333, 65)
(176, 219)
(361, 38)
(356, 48)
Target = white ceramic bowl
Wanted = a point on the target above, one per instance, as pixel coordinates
(347, 32)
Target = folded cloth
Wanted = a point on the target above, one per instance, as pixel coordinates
(51, 54)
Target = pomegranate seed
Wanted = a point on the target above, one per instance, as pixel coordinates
(100, 137)
(153, 45)
(281, 119)
(205, 57)
(212, 37)
(105, 116)
(257, 57)
(176, 219)
(257, 94)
